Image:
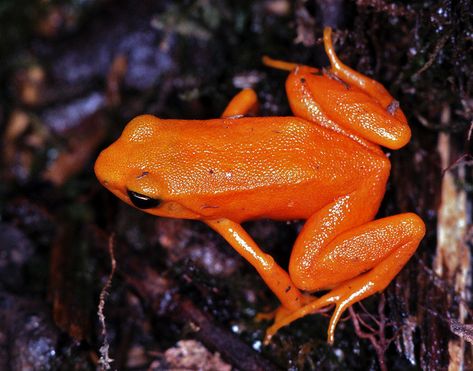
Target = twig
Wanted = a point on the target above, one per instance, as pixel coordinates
(465, 159)
(470, 131)
(105, 360)
(438, 48)
(377, 337)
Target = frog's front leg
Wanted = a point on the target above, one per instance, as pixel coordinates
(380, 248)
(275, 277)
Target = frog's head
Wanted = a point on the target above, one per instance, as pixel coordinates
(130, 169)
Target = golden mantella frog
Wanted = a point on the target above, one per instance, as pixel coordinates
(323, 165)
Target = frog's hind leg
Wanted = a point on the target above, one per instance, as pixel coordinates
(245, 102)
(370, 86)
(380, 248)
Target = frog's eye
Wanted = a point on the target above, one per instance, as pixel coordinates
(142, 201)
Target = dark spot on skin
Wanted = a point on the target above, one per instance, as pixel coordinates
(211, 171)
(277, 131)
(288, 289)
(143, 174)
(392, 107)
(302, 80)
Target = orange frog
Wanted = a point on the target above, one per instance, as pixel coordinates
(324, 166)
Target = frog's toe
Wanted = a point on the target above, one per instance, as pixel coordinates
(275, 315)
(284, 317)
(266, 316)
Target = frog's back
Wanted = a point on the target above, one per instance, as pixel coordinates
(277, 167)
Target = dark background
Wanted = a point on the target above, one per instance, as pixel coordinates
(73, 73)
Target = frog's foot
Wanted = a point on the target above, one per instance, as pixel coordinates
(358, 288)
(343, 297)
(347, 74)
(284, 316)
(278, 64)
(282, 312)
(380, 248)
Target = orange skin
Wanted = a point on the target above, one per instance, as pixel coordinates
(324, 166)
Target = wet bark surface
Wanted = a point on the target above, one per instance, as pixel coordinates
(72, 74)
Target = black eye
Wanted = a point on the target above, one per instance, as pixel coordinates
(142, 201)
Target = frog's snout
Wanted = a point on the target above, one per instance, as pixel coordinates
(104, 168)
